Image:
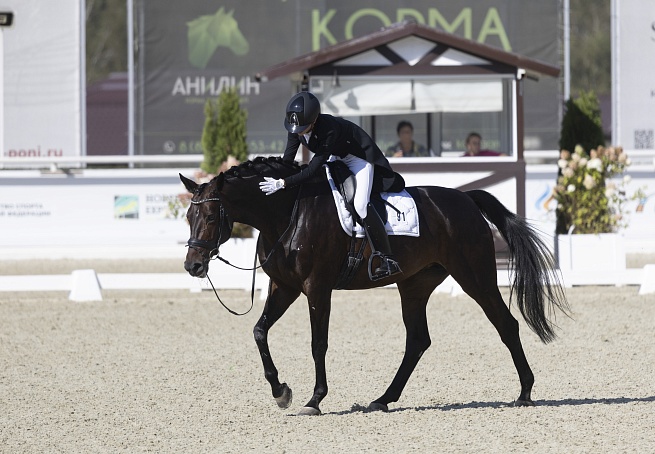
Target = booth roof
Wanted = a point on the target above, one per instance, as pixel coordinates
(400, 30)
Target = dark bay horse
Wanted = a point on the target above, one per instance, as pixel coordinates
(300, 231)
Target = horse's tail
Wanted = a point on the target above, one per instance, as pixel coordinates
(536, 283)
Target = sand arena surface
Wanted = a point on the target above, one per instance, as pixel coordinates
(174, 372)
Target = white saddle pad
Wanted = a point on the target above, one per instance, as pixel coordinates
(403, 223)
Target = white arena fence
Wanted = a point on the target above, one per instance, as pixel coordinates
(87, 285)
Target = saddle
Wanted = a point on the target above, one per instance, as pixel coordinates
(404, 221)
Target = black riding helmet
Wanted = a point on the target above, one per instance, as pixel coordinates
(302, 111)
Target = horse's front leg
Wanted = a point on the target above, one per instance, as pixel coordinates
(319, 316)
(278, 301)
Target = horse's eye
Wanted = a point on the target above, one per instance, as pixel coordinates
(211, 218)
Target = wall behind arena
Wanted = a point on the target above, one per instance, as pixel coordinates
(128, 209)
(43, 79)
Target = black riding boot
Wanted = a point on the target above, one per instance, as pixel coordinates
(377, 235)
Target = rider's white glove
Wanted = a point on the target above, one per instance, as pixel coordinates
(271, 185)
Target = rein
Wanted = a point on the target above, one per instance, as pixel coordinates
(213, 247)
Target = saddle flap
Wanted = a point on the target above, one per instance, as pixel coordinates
(345, 182)
(344, 179)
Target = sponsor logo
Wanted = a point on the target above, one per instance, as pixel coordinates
(207, 33)
(35, 152)
(126, 207)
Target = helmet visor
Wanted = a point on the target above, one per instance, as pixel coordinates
(293, 123)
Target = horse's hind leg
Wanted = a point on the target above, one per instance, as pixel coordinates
(484, 290)
(278, 301)
(508, 329)
(414, 293)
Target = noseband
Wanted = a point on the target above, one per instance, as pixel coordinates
(212, 245)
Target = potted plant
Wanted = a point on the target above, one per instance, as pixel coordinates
(591, 199)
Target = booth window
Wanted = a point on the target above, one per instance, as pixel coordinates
(442, 110)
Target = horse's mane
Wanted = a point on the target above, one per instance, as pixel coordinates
(271, 166)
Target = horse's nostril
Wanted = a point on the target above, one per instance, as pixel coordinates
(194, 268)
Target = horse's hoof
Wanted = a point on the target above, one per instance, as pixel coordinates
(377, 406)
(284, 401)
(309, 411)
(523, 403)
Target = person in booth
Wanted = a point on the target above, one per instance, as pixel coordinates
(326, 135)
(406, 147)
(473, 144)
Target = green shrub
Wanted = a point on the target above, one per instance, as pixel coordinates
(224, 133)
(582, 123)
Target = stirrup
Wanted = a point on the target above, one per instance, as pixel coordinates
(382, 271)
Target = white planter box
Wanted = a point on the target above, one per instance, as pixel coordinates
(587, 252)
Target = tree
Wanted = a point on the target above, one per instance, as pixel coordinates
(224, 133)
(106, 38)
(591, 54)
(582, 124)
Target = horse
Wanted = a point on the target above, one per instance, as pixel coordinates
(302, 246)
(207, 33)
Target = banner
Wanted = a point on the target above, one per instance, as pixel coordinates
(192, 50)
(633, 66)
(43, 79)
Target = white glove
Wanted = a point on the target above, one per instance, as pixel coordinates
(271, 185)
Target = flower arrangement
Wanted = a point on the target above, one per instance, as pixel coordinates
(591, 190)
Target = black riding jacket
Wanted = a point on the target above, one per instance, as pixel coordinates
(340, 137)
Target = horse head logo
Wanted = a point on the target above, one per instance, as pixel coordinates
(208, 33)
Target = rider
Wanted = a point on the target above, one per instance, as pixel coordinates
(326, 135)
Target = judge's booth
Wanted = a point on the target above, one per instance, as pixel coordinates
(445, 85)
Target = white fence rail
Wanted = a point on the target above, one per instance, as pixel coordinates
(55, 162)
(86, 285)
(638, 157)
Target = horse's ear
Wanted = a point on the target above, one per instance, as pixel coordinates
(190, 185)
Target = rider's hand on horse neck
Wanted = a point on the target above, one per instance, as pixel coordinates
(271, 185)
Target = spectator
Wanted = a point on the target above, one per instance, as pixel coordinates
(406, 147)
(473, 143)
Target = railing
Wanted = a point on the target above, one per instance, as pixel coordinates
(58, 162)
(86, 285)
(638, 157)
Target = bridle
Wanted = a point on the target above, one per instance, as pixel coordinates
(213, 245)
